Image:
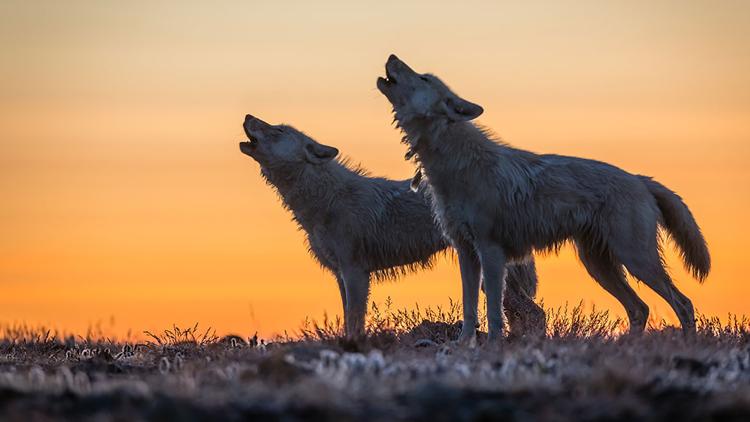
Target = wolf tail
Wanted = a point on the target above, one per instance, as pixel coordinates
(679, 221)
(524, 275)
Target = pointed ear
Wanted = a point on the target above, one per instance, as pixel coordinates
(461, 110)
(319, 153)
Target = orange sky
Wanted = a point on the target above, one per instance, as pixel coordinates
(126, 201)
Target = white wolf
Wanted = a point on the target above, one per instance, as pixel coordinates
(359, 226)
(497, 204)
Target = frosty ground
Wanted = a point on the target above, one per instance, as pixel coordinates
(406, 369)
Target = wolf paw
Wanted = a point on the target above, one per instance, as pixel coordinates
(425, 342)
(467, 340)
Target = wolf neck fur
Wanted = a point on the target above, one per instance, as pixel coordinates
(440, 141)
(451, 148)
(309, 191)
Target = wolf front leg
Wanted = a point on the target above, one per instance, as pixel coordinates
(357, 285)
(469, 265)
(492, 259)
(342, 291)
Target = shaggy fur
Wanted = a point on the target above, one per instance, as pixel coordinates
(360, 227)
(498, 204)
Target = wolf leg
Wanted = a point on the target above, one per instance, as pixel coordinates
(469, 265)
(342, 291)
(637, 248)
(357, 286)
(611, 277)
(649, 270)
(492, 259)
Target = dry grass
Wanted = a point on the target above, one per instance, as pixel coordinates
(406, 369)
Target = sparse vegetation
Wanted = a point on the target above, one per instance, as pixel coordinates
(406, 369)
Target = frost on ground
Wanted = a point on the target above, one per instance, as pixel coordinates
(405, 370)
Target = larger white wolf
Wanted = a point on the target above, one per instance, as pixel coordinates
(359, 226)
(497, 204)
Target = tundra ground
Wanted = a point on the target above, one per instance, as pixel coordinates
(405, 370)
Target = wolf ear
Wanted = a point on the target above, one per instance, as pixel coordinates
(319, 154)
(461, 110)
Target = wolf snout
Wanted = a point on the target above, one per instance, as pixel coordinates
(390, 66)
(248, 147)
(394, 68)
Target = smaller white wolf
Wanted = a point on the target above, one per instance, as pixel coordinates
(497, 204)
(360, 227)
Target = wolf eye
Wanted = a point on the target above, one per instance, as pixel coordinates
(424, 78)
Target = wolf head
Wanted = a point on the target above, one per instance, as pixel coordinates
(416, 96)
(282, 146)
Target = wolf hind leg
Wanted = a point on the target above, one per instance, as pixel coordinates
(610, 275)
(633, 241)
(649, 269)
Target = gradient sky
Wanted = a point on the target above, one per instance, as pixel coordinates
(125, 201)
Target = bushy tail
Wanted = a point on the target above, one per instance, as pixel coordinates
(524, 275)
(679, 221)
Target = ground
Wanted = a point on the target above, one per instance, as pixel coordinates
(407, 369)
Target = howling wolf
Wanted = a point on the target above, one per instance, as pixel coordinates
(360, 227)
(497, 204)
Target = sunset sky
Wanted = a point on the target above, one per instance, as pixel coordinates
(125, 201)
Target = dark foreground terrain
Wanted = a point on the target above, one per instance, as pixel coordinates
(404, 371)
